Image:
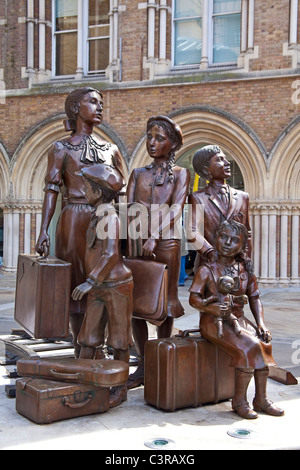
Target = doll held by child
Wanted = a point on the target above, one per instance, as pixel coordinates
(251, 350)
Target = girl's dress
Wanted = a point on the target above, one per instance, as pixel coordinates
(247, 350)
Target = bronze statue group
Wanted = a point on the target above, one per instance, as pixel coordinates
(88, 172)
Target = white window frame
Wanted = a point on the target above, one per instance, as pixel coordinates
(211, 16)
(83, 42)
(54, 36)
(174, 21)
(207, 39)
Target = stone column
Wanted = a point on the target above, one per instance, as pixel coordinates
(293, 38)
(251, 8)
(79, 70)
(295, 274)
(204, 51)
(42, 37)
(30, 36)
(284, 246)
(11, 222)
(151, 28)
(163, 30)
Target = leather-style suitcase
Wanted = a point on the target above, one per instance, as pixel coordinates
(96, 372)
(46, 401)
(43, 292)
(186, 371)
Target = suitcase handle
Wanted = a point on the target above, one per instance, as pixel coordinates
(60, 375)
(75, 406)
(186, 333)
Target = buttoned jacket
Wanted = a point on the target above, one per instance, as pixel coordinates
(207, 212)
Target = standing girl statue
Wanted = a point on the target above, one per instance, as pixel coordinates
(66, 159)
(160, 184)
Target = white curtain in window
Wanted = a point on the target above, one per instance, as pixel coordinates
(227, 6)
(226, 30)
(188, 32)
(188, 8)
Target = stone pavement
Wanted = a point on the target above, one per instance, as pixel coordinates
(132, 424)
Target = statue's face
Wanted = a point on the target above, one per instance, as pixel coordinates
(227, 284)
(219, 167)
(229, 243)
(91, 108)
(159, 145)
(91, 195)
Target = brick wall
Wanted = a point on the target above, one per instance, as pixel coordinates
(263, 104)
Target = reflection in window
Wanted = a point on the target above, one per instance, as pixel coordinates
(98, 35)
(226, 31)
(187, 32)
(65, 36)
(95, 31)
(222, 34)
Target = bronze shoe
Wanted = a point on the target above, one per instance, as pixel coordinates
(243, 410)
(268, 407)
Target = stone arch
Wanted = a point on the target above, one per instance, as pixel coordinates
(202, 124)
(30, 159)
(284, 163)
(4, 173)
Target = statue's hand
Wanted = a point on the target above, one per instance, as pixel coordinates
(149, 247)
(43, 244)
(265, 333)
(81, 290)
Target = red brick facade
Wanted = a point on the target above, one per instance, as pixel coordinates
(258, 99)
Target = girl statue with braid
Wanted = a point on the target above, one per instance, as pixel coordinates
(66, 159)
(161, 188)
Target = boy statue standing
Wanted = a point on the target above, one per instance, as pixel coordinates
(214, 204)
(109, 283)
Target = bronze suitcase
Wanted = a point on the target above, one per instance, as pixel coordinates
(46, 401)
(96, 372)
(43, 291)
(186, 371)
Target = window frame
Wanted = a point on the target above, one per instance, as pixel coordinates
(84, 46)
(87, 40)
(211, 16)
(54, 38)
(179, 20)
(210, 37)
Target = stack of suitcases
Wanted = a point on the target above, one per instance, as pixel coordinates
(51, 390)
(55, 389)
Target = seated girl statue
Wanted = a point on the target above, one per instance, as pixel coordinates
(251, 349)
